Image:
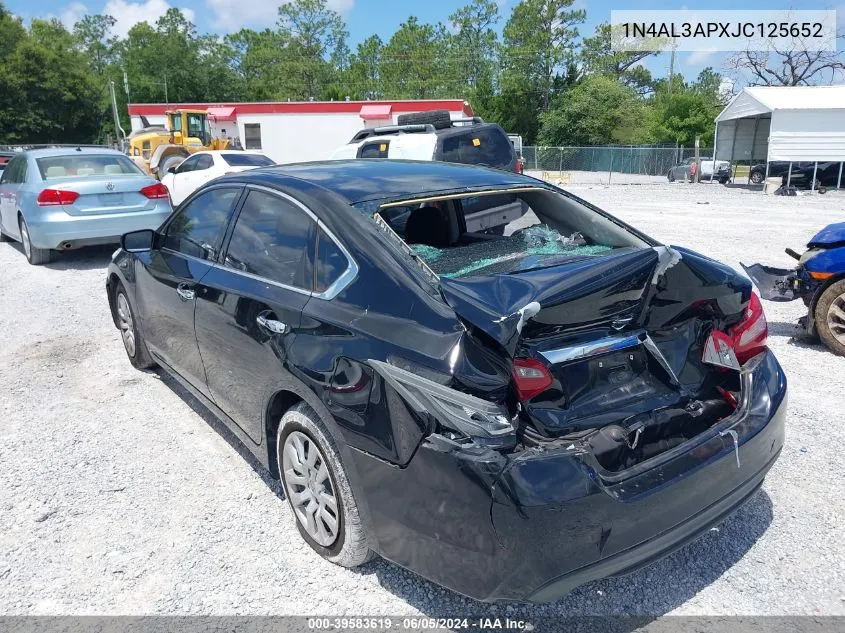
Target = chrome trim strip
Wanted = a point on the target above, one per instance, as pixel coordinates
(269, 282)
(593, 348)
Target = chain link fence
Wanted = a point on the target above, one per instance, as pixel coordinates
(606, 164)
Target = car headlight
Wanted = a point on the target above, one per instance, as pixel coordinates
(483, 421)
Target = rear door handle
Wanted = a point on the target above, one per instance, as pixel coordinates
(271, 325)
(185, 293)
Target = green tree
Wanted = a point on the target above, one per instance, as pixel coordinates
(598, 111)
(55, 98)
(598, 57)
(363, 79)
(12, 92)
(93, 35)
(473, 51)
(410, 62)
(314, 34)
(688, 110)
(257, 59)
(539, 41)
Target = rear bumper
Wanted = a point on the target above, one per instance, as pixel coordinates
(536, 525)
(55, 228)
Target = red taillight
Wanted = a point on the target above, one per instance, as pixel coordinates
(519, 167)
(530, 377)
(157, 190)
(52, 197)
(751, 334)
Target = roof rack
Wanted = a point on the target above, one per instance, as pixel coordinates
(393, 129)
(22, 147)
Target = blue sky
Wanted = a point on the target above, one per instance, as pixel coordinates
(365, 17)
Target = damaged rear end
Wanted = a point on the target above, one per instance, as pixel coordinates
(641, 404)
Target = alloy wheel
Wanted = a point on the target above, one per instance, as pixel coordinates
(836, 318)
(309, 488)
(127, 325)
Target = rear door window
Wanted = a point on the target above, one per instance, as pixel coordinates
(330, 262)
(198, 227)
(273, 238)
(487, 146)
(247, 160)
(374, 150)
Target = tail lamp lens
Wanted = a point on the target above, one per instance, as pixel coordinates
(155, 191)
(751, 335)
(55, 197)
(531, 377)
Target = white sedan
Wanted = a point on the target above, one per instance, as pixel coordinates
(198, 169)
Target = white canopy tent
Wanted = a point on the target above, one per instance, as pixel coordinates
(796, 123)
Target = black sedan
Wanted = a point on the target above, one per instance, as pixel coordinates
(510, 413)
(827, 173)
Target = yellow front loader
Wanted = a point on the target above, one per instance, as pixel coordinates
(157, 149)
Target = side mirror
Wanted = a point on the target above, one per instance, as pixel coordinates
(172, 170)
(177, 137)
(138, 241)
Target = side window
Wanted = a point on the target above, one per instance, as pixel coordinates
(204, 161)
(330, 262)
(374, 150)
(198, 228)
(8, 172)
(252, 136)
(189, 164)
(272, 239)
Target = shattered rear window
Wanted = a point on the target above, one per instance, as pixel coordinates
(500, 232)
(532, 247)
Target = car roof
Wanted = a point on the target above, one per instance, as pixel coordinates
(70, 151)
(359, 180)
(452, 130)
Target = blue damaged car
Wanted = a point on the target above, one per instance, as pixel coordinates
(818, 280)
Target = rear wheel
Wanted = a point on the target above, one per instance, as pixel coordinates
(34, 255)
(133, 342)
(671, 176)
(757, 177)
(830, 317)
(317, 489)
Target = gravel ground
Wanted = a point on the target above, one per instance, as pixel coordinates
(119, 494)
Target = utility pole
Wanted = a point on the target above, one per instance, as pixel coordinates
(697, 159)
(166, 101)
(672, 64)
(121, 135)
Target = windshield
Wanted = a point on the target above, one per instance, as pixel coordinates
(86, 166)
(247, 160)
(504, 232)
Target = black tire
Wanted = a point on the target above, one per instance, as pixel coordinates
(757, 177)
(670, 176)
(166, 163)
(350, 546)
(440, 119)
(829, 309)
(133, 341)
(724, 180)
(35, 256)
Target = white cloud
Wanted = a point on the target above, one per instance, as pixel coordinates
(697, 58)
(72, 14)
(128, 14)
(726, 88)
(231, 15)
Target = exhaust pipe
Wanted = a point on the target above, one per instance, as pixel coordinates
(64, 246)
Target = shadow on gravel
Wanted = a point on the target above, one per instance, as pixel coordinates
(221, 429)
(90, 258)
(798, 337)
(642, 596)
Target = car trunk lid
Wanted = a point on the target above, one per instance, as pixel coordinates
(622, 335)
(97, 196)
